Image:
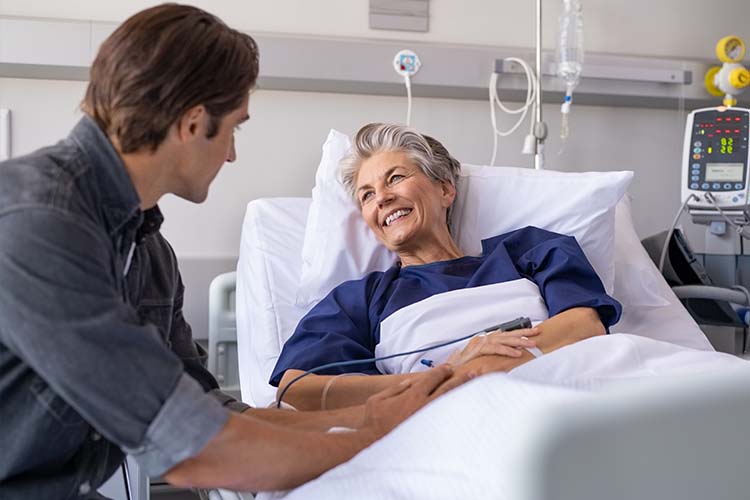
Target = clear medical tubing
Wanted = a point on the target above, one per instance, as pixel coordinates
(569, 54)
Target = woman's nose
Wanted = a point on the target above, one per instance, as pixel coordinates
(383, 197)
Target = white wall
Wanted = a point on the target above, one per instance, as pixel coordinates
(672, 28)
(279, 148)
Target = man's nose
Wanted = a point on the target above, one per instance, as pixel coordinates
(232, 156)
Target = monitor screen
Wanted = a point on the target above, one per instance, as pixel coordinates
(729, 172)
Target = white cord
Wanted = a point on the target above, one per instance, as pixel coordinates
(663, 256)
(745, 291)
(739, 229)
(523, 110)
(407, 82)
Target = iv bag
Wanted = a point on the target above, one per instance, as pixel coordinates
(569, 55)
(570, 44)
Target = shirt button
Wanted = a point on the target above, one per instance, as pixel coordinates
(95, 436)
(84, 489)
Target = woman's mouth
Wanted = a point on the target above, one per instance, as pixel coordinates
(398, 214)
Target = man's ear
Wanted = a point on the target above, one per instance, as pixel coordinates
(192, 122)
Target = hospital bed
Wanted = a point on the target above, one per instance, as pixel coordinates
(675, 436)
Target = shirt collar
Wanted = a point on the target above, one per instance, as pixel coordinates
(117, 194)
(152, 219)
(119, 198)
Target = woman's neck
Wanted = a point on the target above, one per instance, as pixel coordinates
(444, 249)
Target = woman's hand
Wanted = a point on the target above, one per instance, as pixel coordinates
(497, 343)
(479, 366)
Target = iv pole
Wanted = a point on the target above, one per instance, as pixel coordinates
(540, 128)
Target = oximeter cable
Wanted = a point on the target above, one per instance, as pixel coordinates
(515, 324)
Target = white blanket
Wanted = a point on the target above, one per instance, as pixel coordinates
(451, 315)
(468, 443)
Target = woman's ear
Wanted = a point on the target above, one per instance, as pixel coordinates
(449, 193)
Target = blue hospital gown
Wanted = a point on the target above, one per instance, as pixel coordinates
(345, 325)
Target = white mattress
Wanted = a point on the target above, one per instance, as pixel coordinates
(269, 269)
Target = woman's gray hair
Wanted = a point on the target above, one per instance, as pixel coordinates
(427, 153)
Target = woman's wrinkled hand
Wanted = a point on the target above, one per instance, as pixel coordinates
(481, 365)
(497, 343)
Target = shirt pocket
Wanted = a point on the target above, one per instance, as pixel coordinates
(54, 405)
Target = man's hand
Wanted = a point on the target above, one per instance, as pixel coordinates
(386, 409)
(511, 344)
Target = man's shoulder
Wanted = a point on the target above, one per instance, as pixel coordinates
(45, 177)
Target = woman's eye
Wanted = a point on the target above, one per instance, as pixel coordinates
(366, 196)
(396, 178)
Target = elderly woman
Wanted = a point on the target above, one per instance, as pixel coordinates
(405, 185)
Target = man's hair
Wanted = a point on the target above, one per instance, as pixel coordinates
(427, 153)
(160, 63)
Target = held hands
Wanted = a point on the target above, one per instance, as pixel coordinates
(497, 343)
(496, 351)
(388, 408)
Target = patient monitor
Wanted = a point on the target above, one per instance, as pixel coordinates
(715, 163)
(715, 187)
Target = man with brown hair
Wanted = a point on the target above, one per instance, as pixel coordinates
(96, 359)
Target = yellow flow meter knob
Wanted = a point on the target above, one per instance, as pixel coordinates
(709, 82)
(730, 49)
(739, 78)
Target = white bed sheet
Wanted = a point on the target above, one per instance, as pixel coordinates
(268, 274)
(491, 437)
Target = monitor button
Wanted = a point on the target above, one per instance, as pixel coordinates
(727, 186)
(705, 185)
(738, 186)
(716, 185)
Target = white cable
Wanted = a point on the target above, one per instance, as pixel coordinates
(745, 291)
(739, 229)
(407, 82)
(663, 256)
(523, 110)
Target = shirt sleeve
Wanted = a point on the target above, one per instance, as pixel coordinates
(336, 329)
(566, 279)
(63, 313)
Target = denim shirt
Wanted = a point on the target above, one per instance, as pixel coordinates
(95, 355)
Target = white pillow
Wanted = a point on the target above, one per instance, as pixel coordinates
(339, 246)
(495, 200)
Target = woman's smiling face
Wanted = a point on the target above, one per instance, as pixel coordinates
(403, 207)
